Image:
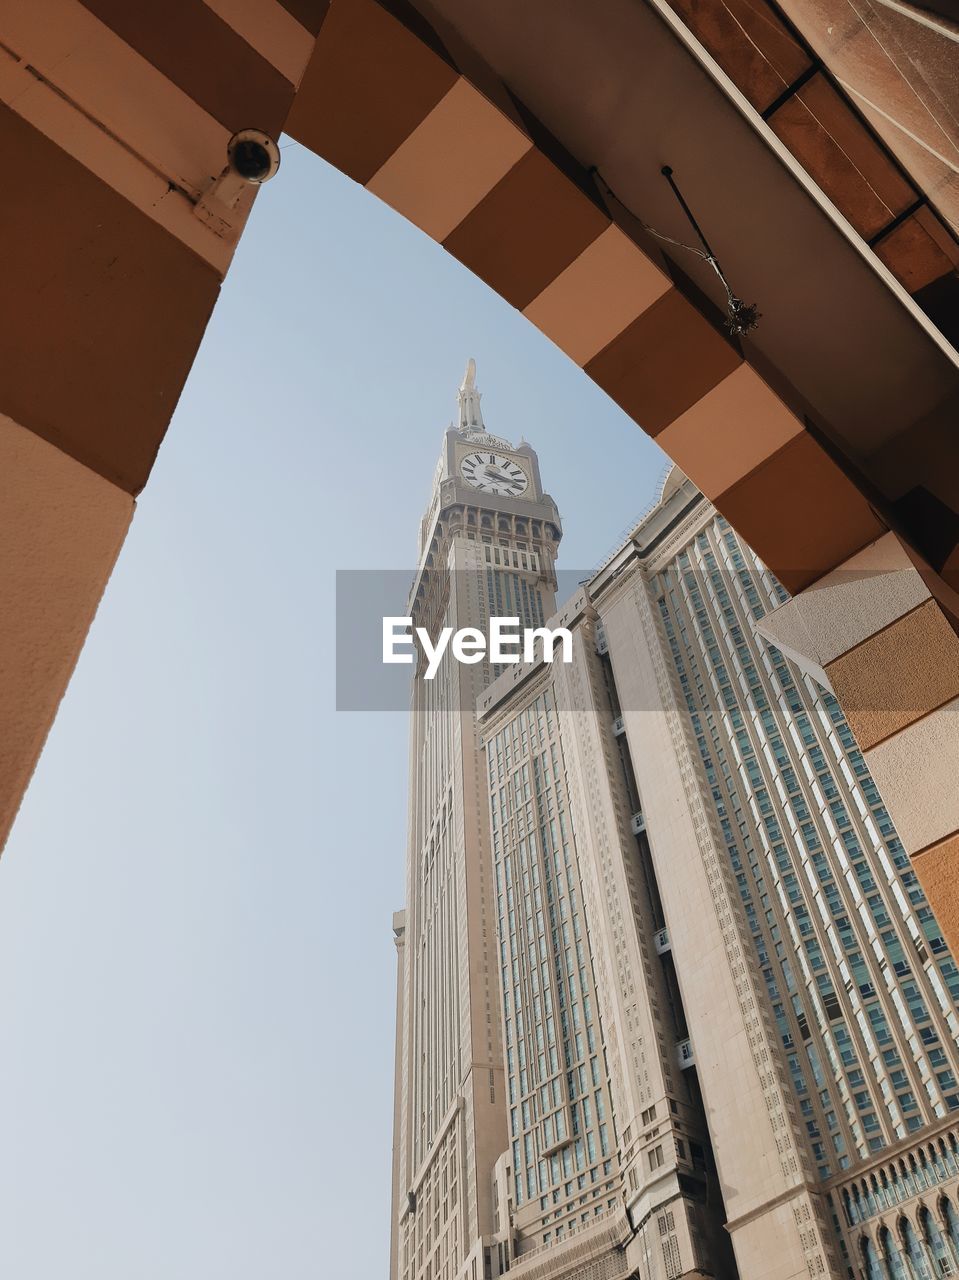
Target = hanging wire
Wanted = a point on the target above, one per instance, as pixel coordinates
(741, 317)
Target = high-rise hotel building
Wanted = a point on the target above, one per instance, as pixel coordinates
(487, 547)
(665, 971)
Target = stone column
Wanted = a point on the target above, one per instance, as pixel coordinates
(112, 142)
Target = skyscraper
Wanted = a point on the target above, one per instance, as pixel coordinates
(609, 1168)
(727, 1014)
(487, 547)
(819, 992)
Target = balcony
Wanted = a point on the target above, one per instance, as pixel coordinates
(662, 944)
(684, 1052)
(619, 726)
(638, 824)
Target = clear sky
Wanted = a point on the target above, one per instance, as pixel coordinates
(196, 961)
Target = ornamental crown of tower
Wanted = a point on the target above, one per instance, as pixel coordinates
(471, 423)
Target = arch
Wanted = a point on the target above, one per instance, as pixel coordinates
(847, 1207)
(868, 1196)
(935, 1243)
(914, 1250)
(951, 1220)
(892, 1255)
(872, 1266)
(386, 99)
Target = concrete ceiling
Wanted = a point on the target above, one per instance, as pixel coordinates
(619, 88)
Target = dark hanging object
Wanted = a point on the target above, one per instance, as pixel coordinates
(741, 317)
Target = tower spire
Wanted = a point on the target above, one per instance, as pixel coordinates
(471, 415)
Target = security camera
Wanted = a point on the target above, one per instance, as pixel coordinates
(252, 158)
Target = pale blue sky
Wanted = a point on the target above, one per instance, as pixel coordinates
(196, 963)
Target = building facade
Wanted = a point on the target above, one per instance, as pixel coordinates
(487, 547)
(609, 1171)
(724, 1012)
(851, 979)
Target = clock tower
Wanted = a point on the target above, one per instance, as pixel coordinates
(487, 492)
(487, 548)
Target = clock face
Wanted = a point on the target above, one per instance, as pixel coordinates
(494, 473)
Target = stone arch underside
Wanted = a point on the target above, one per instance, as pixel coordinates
(820, 438)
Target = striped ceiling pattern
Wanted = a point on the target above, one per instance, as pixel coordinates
(115, 119)
(446, 146)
